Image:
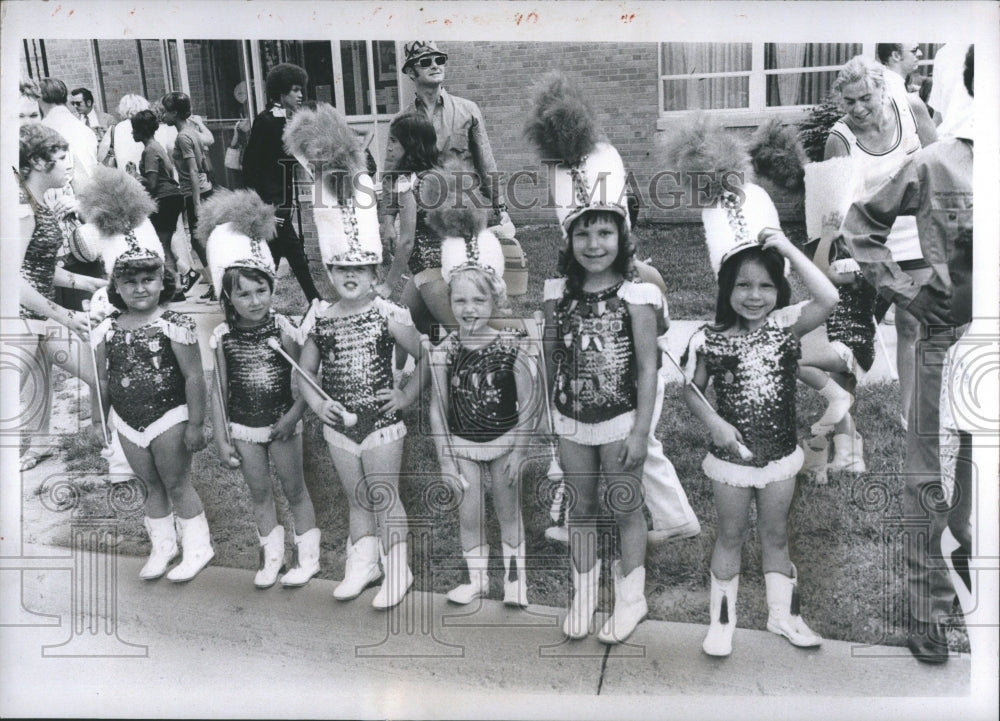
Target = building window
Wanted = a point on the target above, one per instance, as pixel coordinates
(802, 73)
(705, 76)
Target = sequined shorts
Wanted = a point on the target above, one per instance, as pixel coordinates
(378, 437)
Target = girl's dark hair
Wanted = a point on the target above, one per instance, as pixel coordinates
(774, 264)
(134, 267)
(39, 142)
(179, 103)
(569, 266)
(415, 132)
(282, 77)
(230, 280)
(145, 124)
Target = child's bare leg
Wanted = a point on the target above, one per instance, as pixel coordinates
(625, 499)
(173, 463)
(287, 457)
(773, 503)
(351, 472)
(257, 474)
(507, 501)
(382, 466)
(732, 504)
(142, 463)
(581, 465)
(472, 507)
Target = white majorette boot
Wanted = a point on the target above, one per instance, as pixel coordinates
(783, 610)
(838, 405)
(722, 605)
(272, 555)
(196, 544)
(580, 617)
(848, 453)
(361, 570)
(398, 578)
(477, 559)
(306, 560)
(630, 605)
(816, 451)
(515, 593)
(163, 539)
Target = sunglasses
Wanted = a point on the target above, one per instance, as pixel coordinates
(438, 60)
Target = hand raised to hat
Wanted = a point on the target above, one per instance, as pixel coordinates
(775, 238)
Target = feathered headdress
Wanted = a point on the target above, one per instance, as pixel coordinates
(737, 210)
(116, 209)
(347, 216)
(461, 223)
(777, 154)
(590, 174)
(235, 227)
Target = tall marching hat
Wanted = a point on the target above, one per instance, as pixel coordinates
(736, 210)
(590, 174)
(462, 225)
(235, 226)
(346, 213)
(116, 209)
(413, 51)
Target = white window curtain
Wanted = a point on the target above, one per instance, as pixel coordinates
(709, 93)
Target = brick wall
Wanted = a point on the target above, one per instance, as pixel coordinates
(120, 70)
(71, 62)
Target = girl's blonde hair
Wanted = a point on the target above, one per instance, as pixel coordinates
(131, 104)
(485, 281)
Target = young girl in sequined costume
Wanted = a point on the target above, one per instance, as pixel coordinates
(256, 381)
(485, 383)
(350, 344)
(751, 356)
(151, 376)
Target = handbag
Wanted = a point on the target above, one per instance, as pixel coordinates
(110, 161)
(232, 160)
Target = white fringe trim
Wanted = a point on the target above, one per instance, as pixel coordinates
(164, 423)
(845, 265)
(554, 289)
(316, 308)
(695, 344)
(847, 355)
(486, 451)
(788, 316)
(390, 310)
(100, 333)
(593, 434)
(251, 434)
(734, 474)
(178, 333)
(219, 331)
(286, 326)
(376, 438)
(640, 293)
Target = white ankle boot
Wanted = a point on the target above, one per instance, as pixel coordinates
(580, 617)
(630, 605)
(163, 539)
(361, 570)
(477, 560)
(306, 564)
(783, 610)
(722, 605)
(848, 453)
(398, 578)
(196, 544)
(272, 555)
(515, 593)
(838, 405)
(816, 451)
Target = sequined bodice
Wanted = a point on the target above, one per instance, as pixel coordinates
(426, 251)
(356, 354)
(483, 390)
(595, 377)
(39, 264)
(260, 380)
(144, 377)
(754, 377)
(852, 322)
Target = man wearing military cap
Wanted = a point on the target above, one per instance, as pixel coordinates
(461, 132)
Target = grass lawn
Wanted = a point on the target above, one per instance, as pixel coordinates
(844, 536)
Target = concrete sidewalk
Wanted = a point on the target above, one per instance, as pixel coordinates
(217, 644)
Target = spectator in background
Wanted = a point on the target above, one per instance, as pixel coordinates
(166, 135)
(936, 187)
(268, 168)
(901, 60)
(82, 142)
(127, 151)
(81, 101)
(27, 107)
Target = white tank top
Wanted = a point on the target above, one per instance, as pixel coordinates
(873, 169)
